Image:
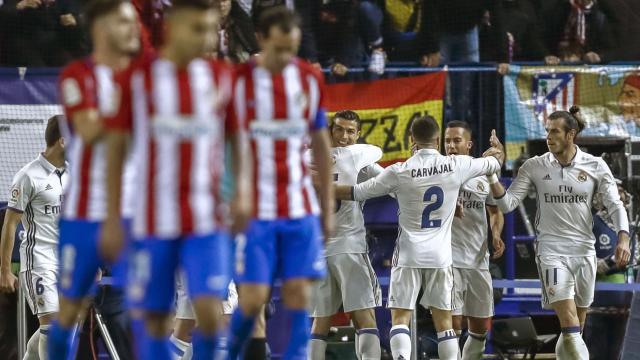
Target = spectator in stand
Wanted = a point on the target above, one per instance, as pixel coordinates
(43, 33)
(525, 33)
(450, 31)
(151, 18)
(307, 10)
(402, 20)
(237, 35)
(350, 32)
(580, 30)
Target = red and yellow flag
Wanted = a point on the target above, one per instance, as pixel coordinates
(388, 107)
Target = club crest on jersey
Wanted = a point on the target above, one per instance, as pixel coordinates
(480, 187)
(582, 177)
(14, 194)
(301, 100)
(333, 159)
(71, 94)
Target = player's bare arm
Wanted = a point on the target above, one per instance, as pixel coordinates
(344, 192)
(320, 145)
(496, 222)
(8, 281)
(242, 203)
(112, 239)
(88, 124)
(496, 150)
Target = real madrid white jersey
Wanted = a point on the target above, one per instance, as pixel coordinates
(37, 193)
(469, 240)
(352, 165)
(426, 187)
(564, 195)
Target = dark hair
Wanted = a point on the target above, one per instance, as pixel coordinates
(460, 124)
(348, 115)
(195, 4)
(52, 133)
(99, 8)
(425, 129)
(280, 17)
(572, 119)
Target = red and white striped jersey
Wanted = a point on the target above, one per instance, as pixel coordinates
(176, 117)
(87, 85)
(281, 110)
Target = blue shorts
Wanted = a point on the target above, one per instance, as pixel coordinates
(120, 269)
(79, 259)
(280, 249)
(205, 259)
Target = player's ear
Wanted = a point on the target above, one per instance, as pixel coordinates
(469, 145)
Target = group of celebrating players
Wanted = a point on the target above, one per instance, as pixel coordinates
(145, 138)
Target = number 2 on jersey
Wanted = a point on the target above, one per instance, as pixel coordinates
(427, 222)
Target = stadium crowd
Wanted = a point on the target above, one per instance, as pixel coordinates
(342, 34)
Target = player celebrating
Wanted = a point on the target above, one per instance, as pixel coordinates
(472, 287)
(36, 197)
(87, 88)
(281, 98)
(173, 108)
(565, 180)
(351, 281)
(426, 187)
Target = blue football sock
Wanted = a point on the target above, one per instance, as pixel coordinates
(299, 337)
(239, 330)
(204, 346)
(157, 348)
(59, 342)
(139, 333)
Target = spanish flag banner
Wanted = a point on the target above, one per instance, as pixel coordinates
(388, 107)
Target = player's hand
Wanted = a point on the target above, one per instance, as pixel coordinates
(111, 239)
(623, 254)
(241, 210)
(339, 69)
(503, 68)
(8, 281)
(591, 58)
(497, 149)
(498, 247)
(459, 210)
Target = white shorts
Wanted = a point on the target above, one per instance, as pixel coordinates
(184, 308)
(40, 287)
(350, 282)
(567, 277)
(472, 293)
(406, 283)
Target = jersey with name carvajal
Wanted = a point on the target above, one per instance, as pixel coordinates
(350, 164)
(37, 193)
(426, 187)
(281, 110)
(178, 118)
(469, 241)
(564, 196)
(86, 85)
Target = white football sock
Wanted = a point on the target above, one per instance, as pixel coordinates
(356, 341)
(400, 342)
(43, 342)
(32, 352)
(179, 348)
(448, 345)
(474, 347)
(572, 346)
(369, 344)
(318, 347)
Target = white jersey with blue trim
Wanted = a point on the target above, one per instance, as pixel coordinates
(352, 164)
(564, 220)
(426, 187)
(37, 192)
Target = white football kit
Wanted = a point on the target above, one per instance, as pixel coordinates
(565, 241)
(473, 291)
(426, 187)
(37, 192)
(351, 280)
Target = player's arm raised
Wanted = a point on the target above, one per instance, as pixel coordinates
(608, 189)
(8, 281)
(383, 184)
(320, 145)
